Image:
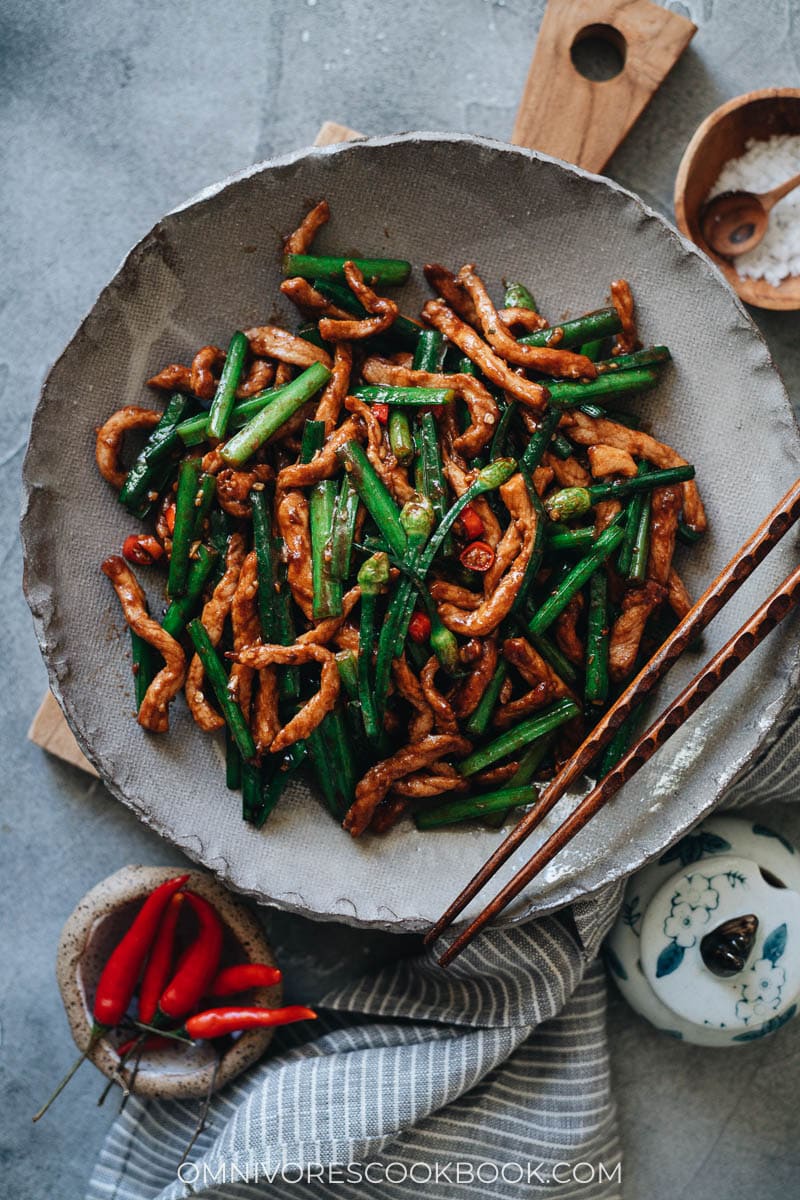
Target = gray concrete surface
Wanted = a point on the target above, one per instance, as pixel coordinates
(111, 113)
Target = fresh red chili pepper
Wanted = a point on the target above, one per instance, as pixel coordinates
(419, 627)
(197, 965)
(216, 1022)
(471, 523)
(242, 976)
(118, 979)
(159, 963)
(153, 1041)
(121, 972)
(381, 411)
(477, 556)
(142, 548)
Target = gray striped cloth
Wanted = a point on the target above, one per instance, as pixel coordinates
(490, 1079)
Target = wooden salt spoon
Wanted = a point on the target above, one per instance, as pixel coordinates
(735, 222)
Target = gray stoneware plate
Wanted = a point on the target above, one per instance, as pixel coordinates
(213, 266)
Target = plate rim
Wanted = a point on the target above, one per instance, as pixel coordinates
(567, 892)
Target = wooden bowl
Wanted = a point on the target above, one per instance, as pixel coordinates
(721, 137)
(89, 935)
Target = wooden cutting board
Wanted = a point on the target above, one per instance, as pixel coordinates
(560, 113)
(580, 120)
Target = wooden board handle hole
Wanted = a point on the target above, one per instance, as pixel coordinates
(598, 52)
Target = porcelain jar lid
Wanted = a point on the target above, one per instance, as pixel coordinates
(714, 944)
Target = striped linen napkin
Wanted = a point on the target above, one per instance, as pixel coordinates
(490, 1079)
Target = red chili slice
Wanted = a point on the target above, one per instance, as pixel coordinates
(142, 548)
(169, 516)
(381, 412)
(477, 556)
(419, 627)
(471, 523)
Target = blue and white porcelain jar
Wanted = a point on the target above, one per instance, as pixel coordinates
(707, 944)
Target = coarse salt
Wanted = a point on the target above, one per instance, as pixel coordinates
(763, 166)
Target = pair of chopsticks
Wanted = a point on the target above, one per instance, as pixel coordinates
(708, 679)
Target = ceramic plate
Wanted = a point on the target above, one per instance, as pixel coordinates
(214, 266)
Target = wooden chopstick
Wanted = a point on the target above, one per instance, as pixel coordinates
(707, 680)
(782, 517)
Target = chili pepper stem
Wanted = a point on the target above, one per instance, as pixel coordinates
(116, 1076)
(129, 1087)
(203, 1116)
(112, 1079)
(96, 1034)
(176, 1036)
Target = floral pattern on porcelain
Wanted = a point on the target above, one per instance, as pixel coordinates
(632, 914)
(762, 991)
(693, 902)
(695, 846)
(770, 1026)
(696, 892)
(686, 924)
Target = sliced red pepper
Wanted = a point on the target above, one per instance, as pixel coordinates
(159, 962)
(121, 972)
(381, 411)
(217, 1022)
(169, 516)
(477, 556)
(471, 523)
(242, 976)
(419, 627)
(142, 548)
(198, 964)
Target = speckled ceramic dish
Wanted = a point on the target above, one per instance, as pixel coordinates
(213, 266)
(89, 935)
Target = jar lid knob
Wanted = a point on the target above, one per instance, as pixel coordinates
(726, 949)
